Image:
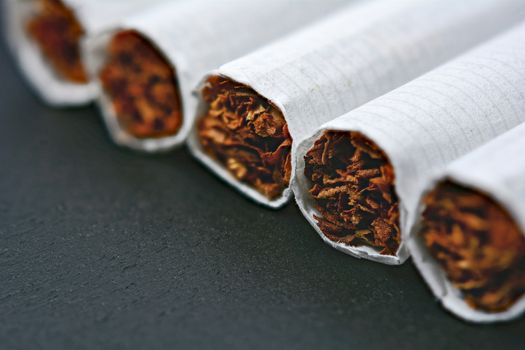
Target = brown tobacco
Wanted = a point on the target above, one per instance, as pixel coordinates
(57, 32)
(247, 134)
(352, 183)
(478, 245)
(142, 87)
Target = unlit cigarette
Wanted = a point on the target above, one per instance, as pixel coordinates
(255, 110)
(148, 66)
(46, 36)
(470, 244)
(360, 177)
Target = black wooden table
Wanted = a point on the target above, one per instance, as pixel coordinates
(101, 247)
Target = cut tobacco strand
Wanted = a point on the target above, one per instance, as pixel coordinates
(352, 184)
(478, 244)
(247, 134)
(57, 32)
(142, 87)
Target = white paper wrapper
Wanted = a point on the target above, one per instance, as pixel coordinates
(197, 36)
(337, 65)
(496, 169)
(427, 123)
(93, 15)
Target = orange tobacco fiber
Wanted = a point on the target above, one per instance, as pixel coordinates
(247, 134)
(352, 183)
(142, 87)
(478, 244)
(57, 33)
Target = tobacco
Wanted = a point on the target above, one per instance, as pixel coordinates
(142, 87)
(352, 184)
(478, 244)
(56, 31)
(247, 134)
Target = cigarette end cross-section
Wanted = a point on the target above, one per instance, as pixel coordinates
(141, 86)
(57, 33)
(478, 245)
(247, 134)
(352, 185)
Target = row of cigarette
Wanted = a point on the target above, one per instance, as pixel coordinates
(398, 125)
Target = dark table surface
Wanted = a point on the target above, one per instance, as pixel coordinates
(101, 247)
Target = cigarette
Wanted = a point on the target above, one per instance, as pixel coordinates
(147, 99)
(253, 111)
(352, 186)
(57, 32)
(477, 243)
(359, 177)
(248, 134)
(47, 39)
(469, 243)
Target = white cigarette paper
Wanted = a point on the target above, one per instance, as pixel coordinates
(427, 123)
(195, 37)
(350, 58)
(93, 15)
(497, 169)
